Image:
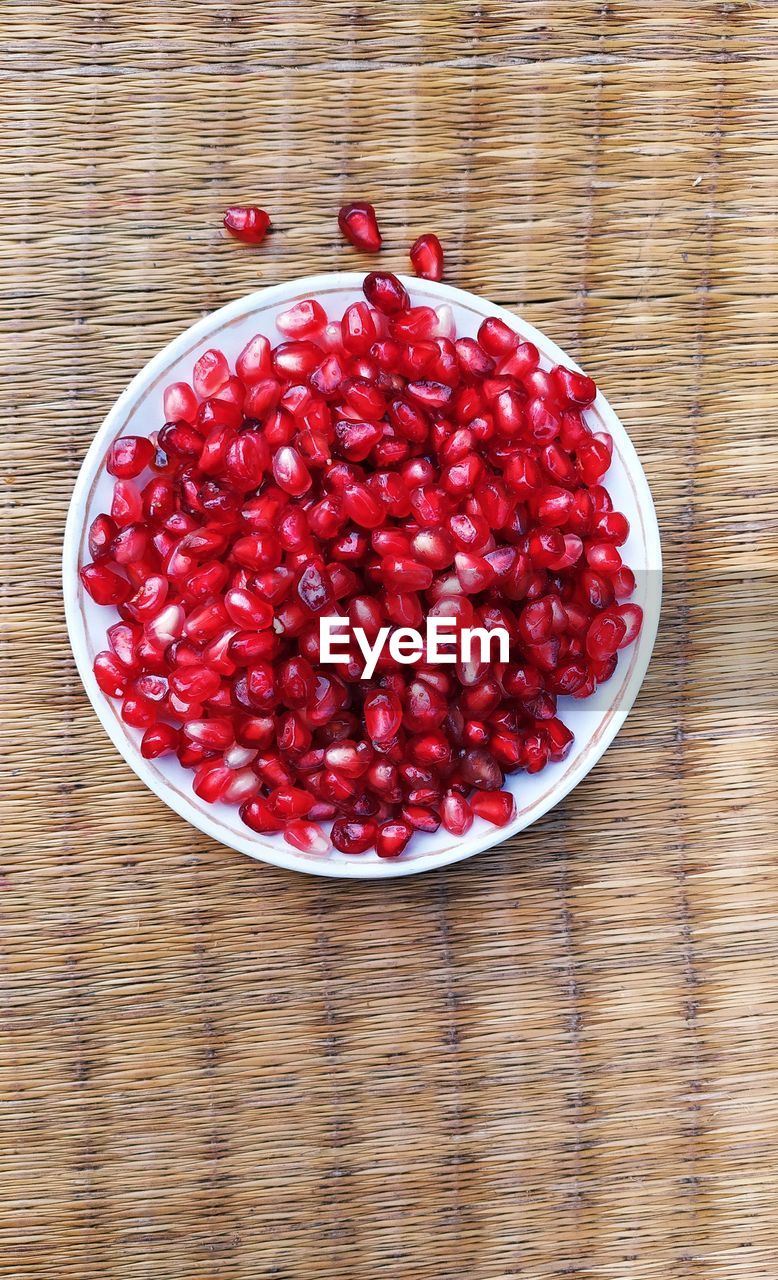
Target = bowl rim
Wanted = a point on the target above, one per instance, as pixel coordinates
(284, 855)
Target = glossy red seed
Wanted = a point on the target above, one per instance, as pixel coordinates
(383, 715)
(353, 836)
(138, 712)
(426, 255)
(385, 292)
(606, 634)
(248, 223)
(159, 740)
(111, 674)
(304, 320)
(392, 838)
(102, 532)
(210, 373)
(480, 769)
(359, 225)
(496, 337)
(128, 456)
(456, 814)
(259, 818)
(104, 585)
(248, 610)
(179, 402)
(290, 472)
(306, 836)
(497, 807)
(290, 802)
(632, 617)
(573, 387)
(358, 328)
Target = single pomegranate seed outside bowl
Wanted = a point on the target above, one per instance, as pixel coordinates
(388, 450)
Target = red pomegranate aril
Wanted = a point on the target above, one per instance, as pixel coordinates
(357, 439)
(159, 740)
(304, 320)
(103, 585)
(595, 589)
(632, 617)
(215, 733)
(128, 456)
(470, 532)
(545, 546)
(383, 715)
(406, 574)
(247, 459)
(247, 222)
(259, 818)
(352, 836)
(508, 413)
(558, 737)
(248, 610)
(623, 583)
(475, 573)
(102, 532)
(296, 359)
(358, 328)
(123, 637)
(179, 402)
(420, 817)
(603, 557)
(255, 363)
(392, 838)
(497, 807)
(308, 837)
(290, 472)
(496, 337)
(180, 440)
(111, 674)
(205, 621)
(127, 504)
(240, 786)
(429, 394)
(195, 684)
(138, 712)
(362, 507)
(426, 256)
(605, 635)
(456, 814)
(289, 802)
(480, 769)
(210, 373)
(611, 526)
(573, 387)
(359, 225)
(385, 292)
(593, 459)
(416, 324)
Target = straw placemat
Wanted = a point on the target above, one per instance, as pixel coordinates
(558, 1059)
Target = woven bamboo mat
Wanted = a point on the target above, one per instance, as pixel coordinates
(558, 1059)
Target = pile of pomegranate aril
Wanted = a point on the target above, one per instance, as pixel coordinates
(373, 466)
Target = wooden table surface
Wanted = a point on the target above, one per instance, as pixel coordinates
(558, 1059)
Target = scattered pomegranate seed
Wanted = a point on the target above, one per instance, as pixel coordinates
(359, 225)
(427, 257)
(379, 468)
(247, 222)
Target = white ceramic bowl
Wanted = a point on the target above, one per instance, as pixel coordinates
(595, 721)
